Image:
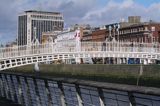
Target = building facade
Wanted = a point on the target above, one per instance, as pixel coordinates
(32, 23)
(68, 36)
(145, 32)
(94, 34)
(50, 36)
(99, 35)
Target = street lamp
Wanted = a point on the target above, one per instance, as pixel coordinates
(118, 26)
(110, 28)
(35, 38)
(114, 31)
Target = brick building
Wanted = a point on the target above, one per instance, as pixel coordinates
(132, 31)
(99, 35)
(95, 35)
(142, 32)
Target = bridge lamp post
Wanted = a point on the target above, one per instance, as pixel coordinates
(118, 26)
(114, 31)
(35, 44)
(114, 38)
(110, 29)
(117, 29)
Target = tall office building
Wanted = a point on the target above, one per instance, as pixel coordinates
(32, 23)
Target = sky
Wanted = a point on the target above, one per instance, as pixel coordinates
(93, 12)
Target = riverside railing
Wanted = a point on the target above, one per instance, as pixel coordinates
(41, 91)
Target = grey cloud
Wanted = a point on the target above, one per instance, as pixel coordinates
(75, 11)
(114, 11)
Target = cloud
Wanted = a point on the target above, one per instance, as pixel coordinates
(114, 11)
(75, 11)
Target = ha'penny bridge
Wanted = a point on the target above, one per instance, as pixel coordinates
(41, 91)
(23, 55)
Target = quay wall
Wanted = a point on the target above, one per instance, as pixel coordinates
(147, 75)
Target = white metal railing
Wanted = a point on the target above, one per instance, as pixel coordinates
(70, 47)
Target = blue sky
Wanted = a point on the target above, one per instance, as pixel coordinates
(94, 12)
(147, 3)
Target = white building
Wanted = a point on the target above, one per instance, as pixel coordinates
(65, 36)
(39, 20)
(69, 36)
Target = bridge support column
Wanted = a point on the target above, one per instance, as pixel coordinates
(10, 62)
(150, 61)
(109, 60)
(141, 61)
(121, 60)
(103, 60)
(126, 60)
(145, 61)
(114, 60)
(118, 60)
(78, 60)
